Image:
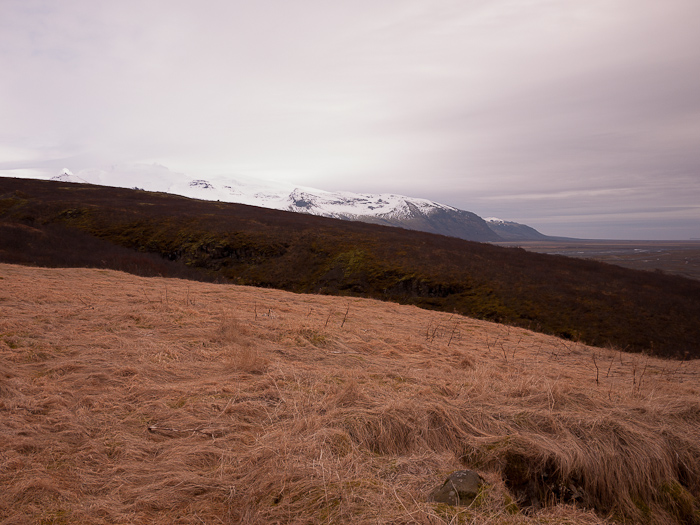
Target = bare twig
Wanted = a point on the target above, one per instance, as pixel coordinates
(345, 318)
(504, 353)
(516, 347)
(611, 363)
(435, 332)
(641, 376)
(86, 305)
(452, 334)
(162, 430)
(597, 371)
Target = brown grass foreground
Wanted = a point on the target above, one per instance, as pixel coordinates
(146, 400)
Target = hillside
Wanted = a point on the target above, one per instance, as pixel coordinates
(126, 399)
(387, 209)
(57, 224)
(513, 231)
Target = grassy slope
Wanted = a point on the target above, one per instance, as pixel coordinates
(595, 303)
(150, 400)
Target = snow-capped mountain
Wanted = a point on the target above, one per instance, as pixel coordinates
(513, 231)
(386, 209)
(66, 175)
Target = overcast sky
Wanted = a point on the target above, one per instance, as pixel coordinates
(578, 117)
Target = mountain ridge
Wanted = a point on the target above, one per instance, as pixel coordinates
(514, 231)
(388, 209)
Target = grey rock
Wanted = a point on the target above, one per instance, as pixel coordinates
(460, 488)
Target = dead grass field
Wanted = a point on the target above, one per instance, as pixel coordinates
(148, 400)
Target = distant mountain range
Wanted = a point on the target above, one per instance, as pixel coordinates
(386, 209)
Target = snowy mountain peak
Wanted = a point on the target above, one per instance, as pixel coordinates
(386, 208)
(67, 175)
(356, 206)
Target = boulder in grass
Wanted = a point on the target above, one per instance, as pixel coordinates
(460, 488)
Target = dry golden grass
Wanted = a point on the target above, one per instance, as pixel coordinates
(146, 400)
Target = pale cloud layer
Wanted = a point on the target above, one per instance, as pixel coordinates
(577, 118)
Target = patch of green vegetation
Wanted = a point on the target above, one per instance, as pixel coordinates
(482, 497)
(55, 517)
(450, 514)
(643, 508)
(13, 203)
(177, 403)
(11, 342)
(680, 503)
(510, 506)
(329, 509)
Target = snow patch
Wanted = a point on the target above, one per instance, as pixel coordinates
(67, 175)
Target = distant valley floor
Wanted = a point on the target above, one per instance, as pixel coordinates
(672, 257)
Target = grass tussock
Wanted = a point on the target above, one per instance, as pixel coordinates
(121, 402)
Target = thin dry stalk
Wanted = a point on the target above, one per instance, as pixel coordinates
(597, 371)
(345, 317)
